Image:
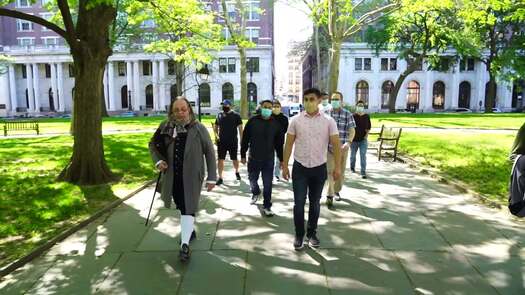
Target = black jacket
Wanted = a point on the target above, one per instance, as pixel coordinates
(262, 137)
(283, 121)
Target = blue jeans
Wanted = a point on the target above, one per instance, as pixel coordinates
(307, 181)
(277, 169)
(362, 146)
(265, 168)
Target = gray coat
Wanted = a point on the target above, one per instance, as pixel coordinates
(198, 146)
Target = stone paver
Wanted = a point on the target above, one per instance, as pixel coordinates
(398, 232)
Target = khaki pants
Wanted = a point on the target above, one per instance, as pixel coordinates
(335, 186)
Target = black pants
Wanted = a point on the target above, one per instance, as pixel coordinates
(307, 181)
(265, 168)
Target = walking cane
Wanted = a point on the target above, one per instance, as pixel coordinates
(153, 198)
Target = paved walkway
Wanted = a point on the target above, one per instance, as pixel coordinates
(398, 232)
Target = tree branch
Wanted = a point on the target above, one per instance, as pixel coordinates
(68, 22)
(363, 19)
(34, 19)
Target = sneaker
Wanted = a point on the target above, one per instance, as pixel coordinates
(353, 170)
(364, 176)
(329, 201)
(268, 212)
(238, 176)
(219, 181)
(298, 243)
(313, 241)
(337, 197)
(255, 198)
(184, 253)
(277, 178)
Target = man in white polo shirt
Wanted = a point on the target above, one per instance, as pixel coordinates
(311, 131)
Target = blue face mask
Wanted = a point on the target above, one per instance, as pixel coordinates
(336, 104)
(266, 113)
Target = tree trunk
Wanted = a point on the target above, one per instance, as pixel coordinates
(317, 54)
(244, 85)
(334, 66)
(87, 165)
(490, 100)
(179, 77)
(393, 95)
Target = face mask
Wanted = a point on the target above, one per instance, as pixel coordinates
(360, 109)
(266, 113)
(226, 109)
(311, 107)
(336, 104)
(276, 111)
(325, 102)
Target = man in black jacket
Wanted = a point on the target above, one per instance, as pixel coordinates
(262, 136)
(283, 121)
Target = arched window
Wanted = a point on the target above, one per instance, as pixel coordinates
(464, 95)
(438, 95)
(204, 95)
(227, 91)
(362, 92)
(386, 90)
(252, 92)
(173, 92)
(124, 97)
(413, 95)
(517, 93)
(149, 96)
(487, 94)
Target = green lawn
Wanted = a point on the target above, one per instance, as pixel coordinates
(33, 207)
(480, 160)
(446, 120)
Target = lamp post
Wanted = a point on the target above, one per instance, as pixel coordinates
(204, 74)
(250, 92)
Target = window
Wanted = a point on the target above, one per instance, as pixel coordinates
(47, 16)
(438, 95)
(363, 64)
(386, 90)
(252, 64)
(226, 33)
(466, 65)
(252, 34)
(418, 65)
(26, 41)
(223, 65)
(389, 64)
(149, 96)
(252, 11)
(146, 68)
(413, 95)
(171, 67)
(50, 41)
(227, 91)
(207, 6)
(230, 7)
(71, 69)
(24, 26)
(252, 92)
(22, 3)
(148, 24)
(23, 68)
(231, 65)
(48, 70)
(204, 95)
(361, 92)
(121, 68)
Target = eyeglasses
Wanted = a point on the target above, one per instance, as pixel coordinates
(177, 110)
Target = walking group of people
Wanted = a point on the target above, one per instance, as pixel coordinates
(321, 137)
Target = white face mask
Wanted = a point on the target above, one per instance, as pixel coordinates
(360, 109)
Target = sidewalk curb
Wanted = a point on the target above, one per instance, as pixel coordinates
(459, 185)
(5, 270)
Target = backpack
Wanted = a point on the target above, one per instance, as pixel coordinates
(516, 202)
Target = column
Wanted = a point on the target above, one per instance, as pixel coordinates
(454, 89)
(155, 75)
(162, 85)
(111, 86)
(129, 81)
(12, 88)
(427, 98)
(36, 87)
(480, 97)
(60, 81)
(54, 85)
(105, 86)
(5, 99)
(30, 96)
(136, 86)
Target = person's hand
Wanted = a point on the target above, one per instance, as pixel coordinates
(345, 146)
(285, 172)
(243, 161)
(162, 166)
(209, 186)
(336, 174)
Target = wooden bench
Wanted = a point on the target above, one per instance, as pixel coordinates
(20, 126)
(388, 142)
